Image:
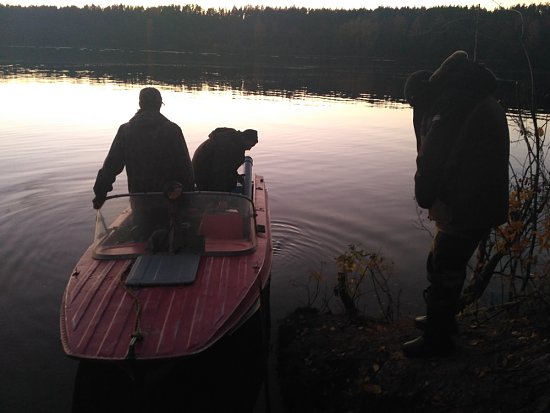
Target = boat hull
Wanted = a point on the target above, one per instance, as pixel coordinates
(233, 370)
(102, 318)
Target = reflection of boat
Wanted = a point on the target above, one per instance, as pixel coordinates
(169, 277)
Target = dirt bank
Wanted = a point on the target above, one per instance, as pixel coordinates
(331, 363)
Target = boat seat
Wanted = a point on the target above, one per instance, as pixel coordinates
(226, 225)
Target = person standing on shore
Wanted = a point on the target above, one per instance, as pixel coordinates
(461, 178)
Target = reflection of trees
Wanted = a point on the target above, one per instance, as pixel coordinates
(291, 78)
(272, 77)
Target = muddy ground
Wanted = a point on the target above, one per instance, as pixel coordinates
(333, 363)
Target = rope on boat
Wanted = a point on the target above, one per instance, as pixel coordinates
(137, 334)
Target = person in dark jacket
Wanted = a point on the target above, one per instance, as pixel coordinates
(461, 178)
(152, 149)
(217, 159)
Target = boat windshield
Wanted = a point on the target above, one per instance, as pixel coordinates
(212, 223)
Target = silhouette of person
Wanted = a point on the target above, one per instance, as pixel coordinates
(461, 178)
(152, 149)
(217, 159)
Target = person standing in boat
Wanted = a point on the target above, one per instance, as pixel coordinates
(217, 160)
(151, 147)
(461, 178)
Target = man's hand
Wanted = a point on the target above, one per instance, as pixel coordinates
(98, 201)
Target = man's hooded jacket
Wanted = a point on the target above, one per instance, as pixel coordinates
(462, 163)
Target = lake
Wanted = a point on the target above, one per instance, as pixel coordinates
(338, 166)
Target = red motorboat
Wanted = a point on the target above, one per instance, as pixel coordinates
(169, 276)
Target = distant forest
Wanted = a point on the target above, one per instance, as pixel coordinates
(404, 35)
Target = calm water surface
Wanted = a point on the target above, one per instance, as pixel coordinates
(338, 172)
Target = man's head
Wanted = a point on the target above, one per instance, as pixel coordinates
(417, 87)
(250, 138)
(150, 99)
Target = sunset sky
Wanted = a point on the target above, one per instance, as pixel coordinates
(332, 4)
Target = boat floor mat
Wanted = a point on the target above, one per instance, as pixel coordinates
(153, 270)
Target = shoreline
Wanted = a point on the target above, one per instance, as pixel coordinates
(334, 363)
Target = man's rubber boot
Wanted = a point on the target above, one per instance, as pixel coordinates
(440, 320)
(421, 320)
(428, 346)
(436, 339)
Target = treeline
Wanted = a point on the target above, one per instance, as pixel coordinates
(417, 35)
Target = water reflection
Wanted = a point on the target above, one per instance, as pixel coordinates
(290, 77)
(294, 77)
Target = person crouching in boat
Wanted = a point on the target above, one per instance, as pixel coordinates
(217, 160)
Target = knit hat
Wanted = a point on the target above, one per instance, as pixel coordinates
(460, 73)
(449, 65)
(249, 138)
(251, 134)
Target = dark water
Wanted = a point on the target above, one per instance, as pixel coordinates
(336, 149)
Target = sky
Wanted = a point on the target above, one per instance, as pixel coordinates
(330, 4)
